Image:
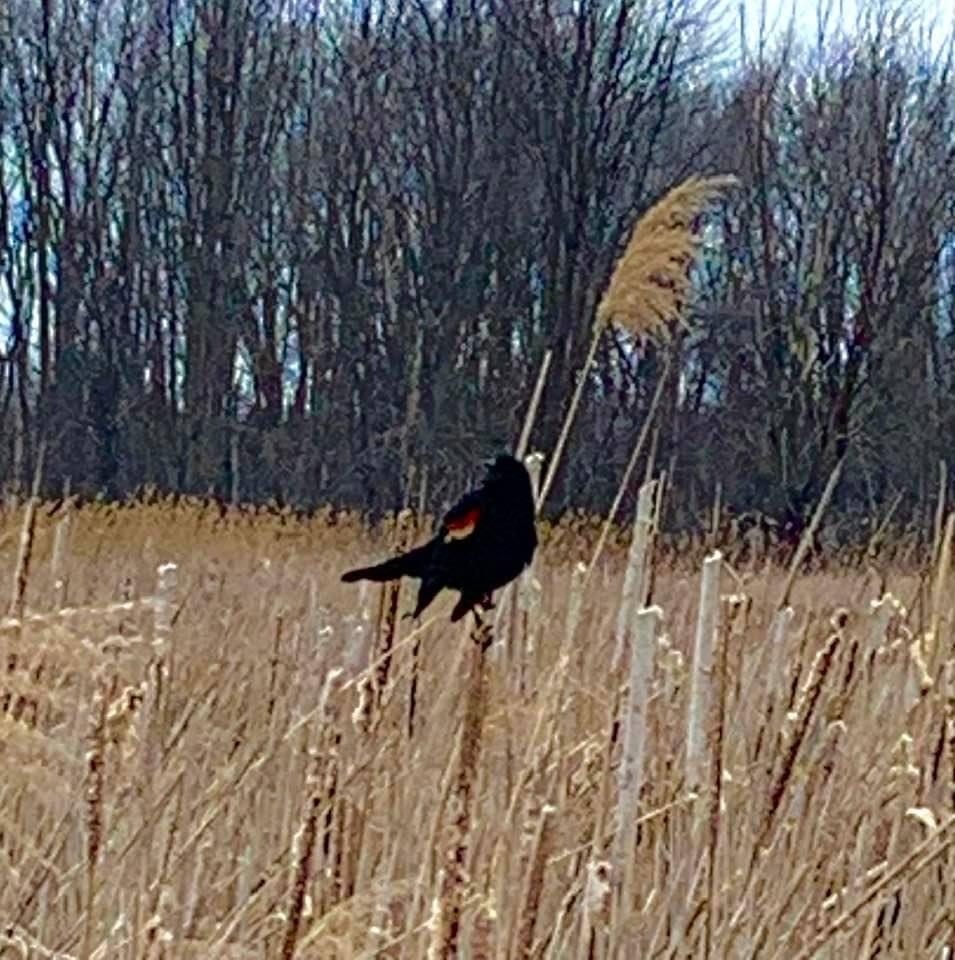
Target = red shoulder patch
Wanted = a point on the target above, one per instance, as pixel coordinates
(463, 524)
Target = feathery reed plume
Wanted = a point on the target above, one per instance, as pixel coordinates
(651, 281)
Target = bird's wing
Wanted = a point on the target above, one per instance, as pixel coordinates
(459, 522)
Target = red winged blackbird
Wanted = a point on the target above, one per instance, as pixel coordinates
(486, 539)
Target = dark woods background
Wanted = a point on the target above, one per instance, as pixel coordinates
(291, 250)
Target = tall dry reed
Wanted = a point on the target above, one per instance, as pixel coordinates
(233, 815)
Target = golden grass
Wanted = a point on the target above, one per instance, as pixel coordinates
(235, 774)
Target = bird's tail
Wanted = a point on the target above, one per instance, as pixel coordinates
(410, 564)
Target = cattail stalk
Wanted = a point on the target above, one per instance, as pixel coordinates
(523, 596)
(164, 607)
(571, 414)
(526, 594)
(635, 575)
(598, 890)
(778, 639)
(883, 610)
(884, 696)
(805, 541)
(412, 701)
(715, 741)
(948, 692)
(358, 643)
(61, 546)
(531, 416)
(95, 762)
(937, 843)
(323, 776)
(940, 592)
(940, 509)
(302, 849)
(454, 879)
(541, 845)
(388, 617)
(767, 677)
(707, 625)
(630, 776)
(21, 574)
(575, 599)
(803, 714)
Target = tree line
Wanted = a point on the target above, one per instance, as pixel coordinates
(279, 249)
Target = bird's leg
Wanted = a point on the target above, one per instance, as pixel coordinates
(482, 633)
(486, 602)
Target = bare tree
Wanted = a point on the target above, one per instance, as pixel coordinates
(283, 250)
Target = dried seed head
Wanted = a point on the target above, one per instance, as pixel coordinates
(839, 619)
(597, 890)
(917, 658)
(361, 715)
(924, 816)
(122, 712)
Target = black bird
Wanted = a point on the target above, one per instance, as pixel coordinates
(486, 539)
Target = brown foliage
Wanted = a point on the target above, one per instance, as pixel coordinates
(254, 810)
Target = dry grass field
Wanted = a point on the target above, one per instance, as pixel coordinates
(241, 757)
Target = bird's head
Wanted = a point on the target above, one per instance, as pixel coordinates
(503, 465)
(505, 470)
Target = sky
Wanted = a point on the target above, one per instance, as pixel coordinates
(846, 12)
